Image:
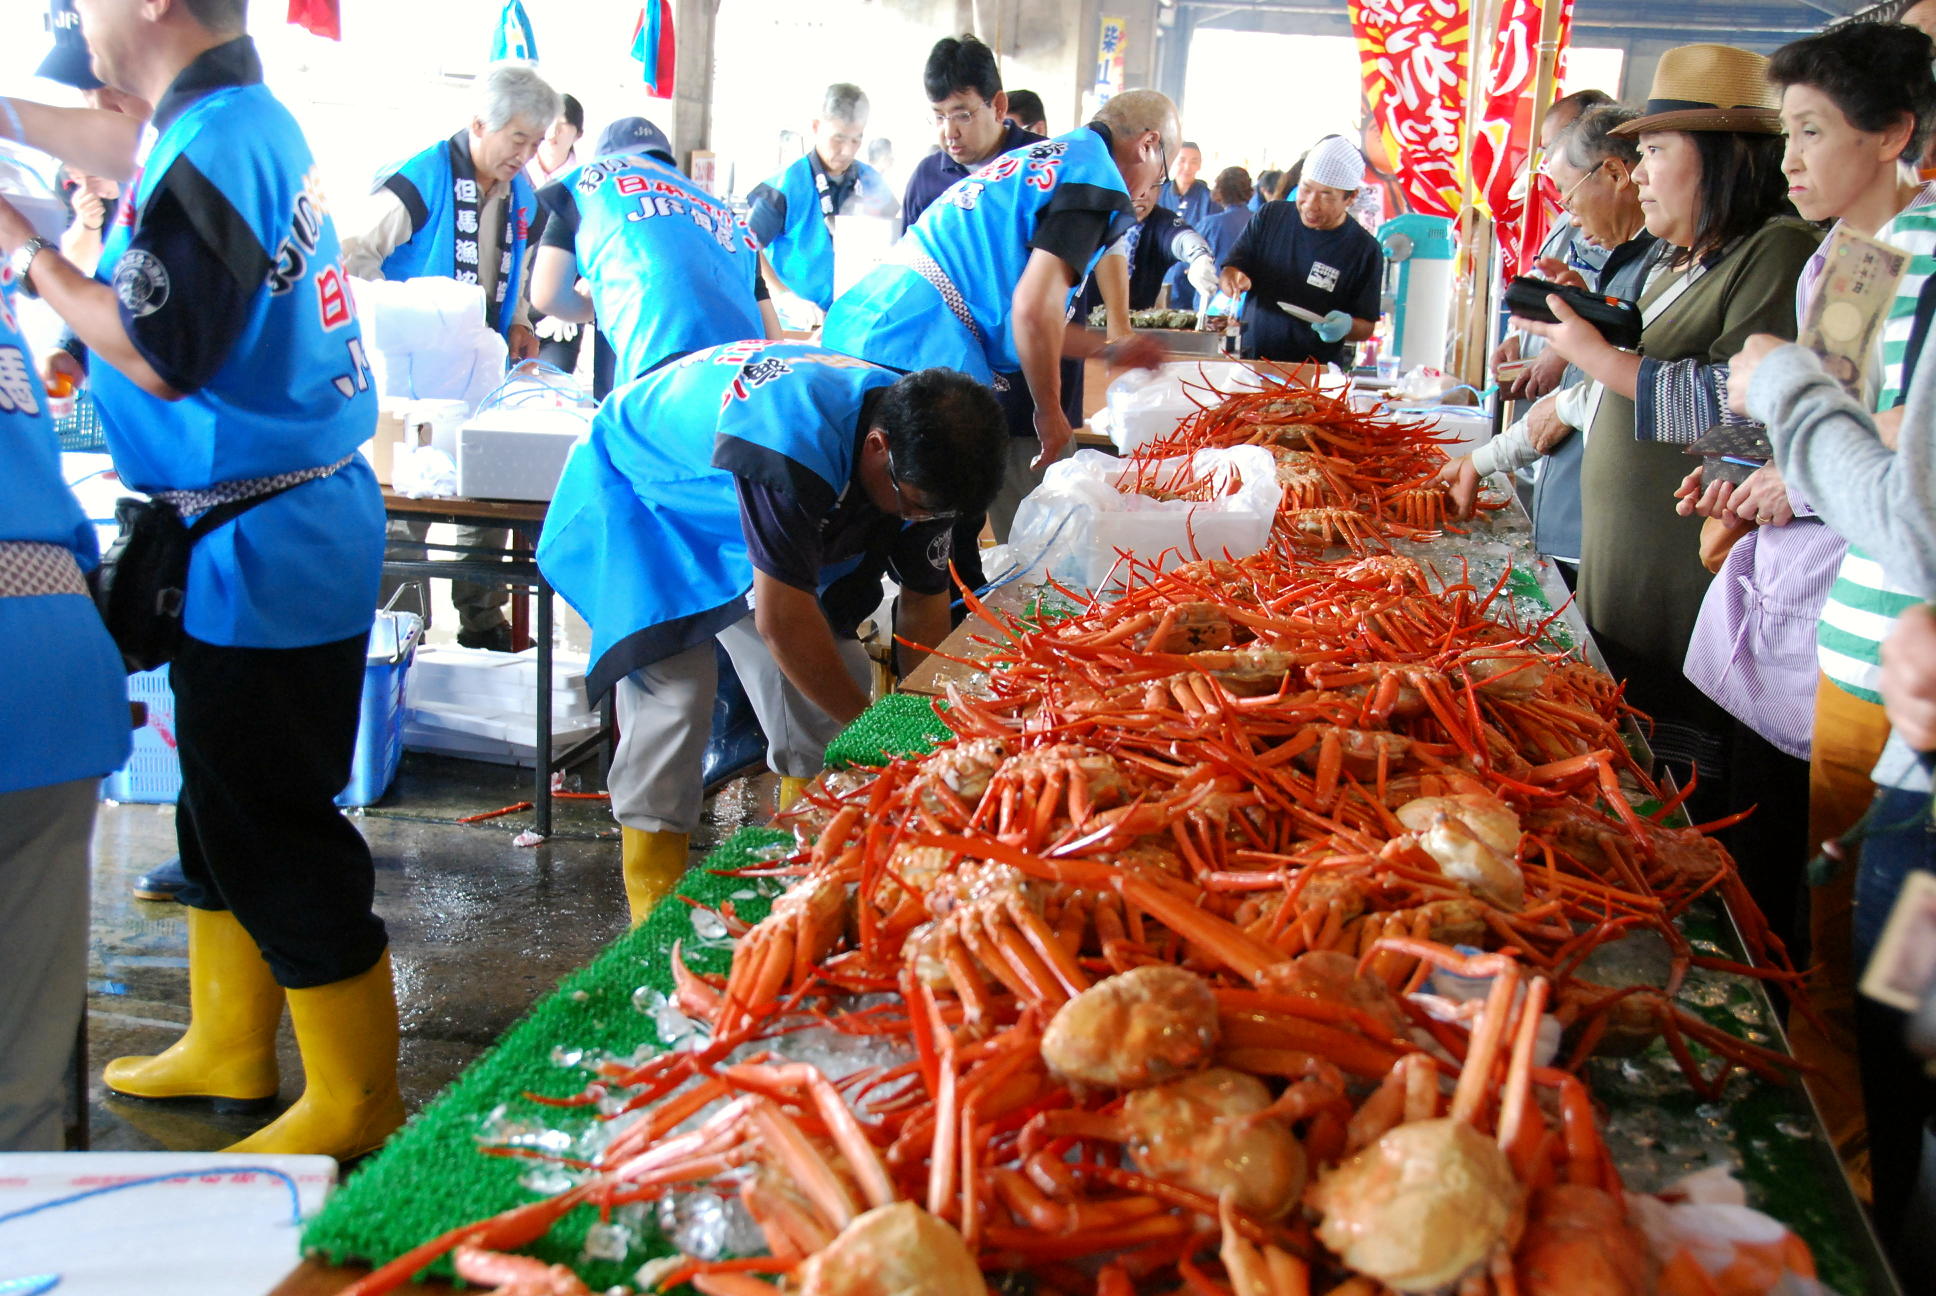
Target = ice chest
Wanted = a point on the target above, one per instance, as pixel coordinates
(152, 775)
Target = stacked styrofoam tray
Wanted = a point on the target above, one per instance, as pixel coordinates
(480, 705)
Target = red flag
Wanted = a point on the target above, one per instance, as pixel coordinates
(323, 17)
(1416, 70)
(655, 48)
(1501, 152)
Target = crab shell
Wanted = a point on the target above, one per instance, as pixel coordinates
(1473, 838)
(893, 1250)
(1136, 1028)
(1421, 1206)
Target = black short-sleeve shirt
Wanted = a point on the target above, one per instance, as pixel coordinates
(1317, 270)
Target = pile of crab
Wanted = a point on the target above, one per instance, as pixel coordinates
(1159, 929)
(1351, 478)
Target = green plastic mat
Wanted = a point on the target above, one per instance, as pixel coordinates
(900, 724)
(431, 1176)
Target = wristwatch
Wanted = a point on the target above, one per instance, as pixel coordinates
(22, 260)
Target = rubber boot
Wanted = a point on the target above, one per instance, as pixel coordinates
(655, 863)
(347, 1031)
(228, 1054)
(790, 790)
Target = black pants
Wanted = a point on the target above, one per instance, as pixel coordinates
(266, 737)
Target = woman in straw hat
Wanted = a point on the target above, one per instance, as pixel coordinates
(1712, 189)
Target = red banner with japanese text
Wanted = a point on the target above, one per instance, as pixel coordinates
(1499, 154)
(1415, 55)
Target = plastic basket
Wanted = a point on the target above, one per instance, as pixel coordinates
(379, 730)
(152, 775)
(80, 432)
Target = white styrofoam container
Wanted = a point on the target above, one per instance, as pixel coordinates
(517, 452)
(1073, 525)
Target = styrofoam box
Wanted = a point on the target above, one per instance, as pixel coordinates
(517, 453)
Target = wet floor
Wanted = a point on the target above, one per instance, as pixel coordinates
(480, 929)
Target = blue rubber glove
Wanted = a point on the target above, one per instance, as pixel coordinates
(1334, 326)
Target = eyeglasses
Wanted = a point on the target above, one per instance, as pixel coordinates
(1566, 199)
(960, 118)
(910, 510)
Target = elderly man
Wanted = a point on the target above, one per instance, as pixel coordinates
(670, 268)
(981, 282)
(1310, 255)
(776, 476)
(1565, 244)
(792, 215)
(1594, 169)
(226, 361)
(1193, 204)
(462, 209)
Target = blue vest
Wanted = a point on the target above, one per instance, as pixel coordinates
(294, 393)
(803, 253)
(432, 176)
(644, 536)
(64, 706)
(672, 270)
(977, 234)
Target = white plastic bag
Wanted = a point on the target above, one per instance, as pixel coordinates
(1146, 404)
(426, 339)
(1072, 526)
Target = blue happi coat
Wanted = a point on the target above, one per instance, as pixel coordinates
(944, 297)
(671, 268)
(803, 252)
(427, 186)
(644, 537)
(64, 707)
(294, 392)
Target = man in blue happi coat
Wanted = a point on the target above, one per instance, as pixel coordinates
(223, 353)
(462, 209)
(669, 268)
(792, 215)
(981, 283)
(755, 494)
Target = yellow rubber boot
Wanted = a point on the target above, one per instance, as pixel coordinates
(228, 1054)
(790, 790)
(655, 863)
(347, 1031)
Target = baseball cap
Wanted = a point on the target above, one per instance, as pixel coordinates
(633, 135)
(69, 62)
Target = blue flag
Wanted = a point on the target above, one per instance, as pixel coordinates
(514, 38)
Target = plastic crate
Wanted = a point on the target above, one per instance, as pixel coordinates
(80, 432)
(152, 775)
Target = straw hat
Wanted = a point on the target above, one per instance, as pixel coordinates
(1710, 88)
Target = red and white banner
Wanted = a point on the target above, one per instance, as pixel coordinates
(1500, 153)
(1415, 55)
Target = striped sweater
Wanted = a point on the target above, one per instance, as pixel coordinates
(1863, 604)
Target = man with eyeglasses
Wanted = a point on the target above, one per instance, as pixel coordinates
(1593, 168)
(755, 494)
(1565, 244)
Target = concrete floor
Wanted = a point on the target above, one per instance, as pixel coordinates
(479, 930)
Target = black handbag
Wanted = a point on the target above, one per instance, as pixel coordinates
(142, 582)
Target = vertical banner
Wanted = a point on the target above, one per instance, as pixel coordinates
(1416, 60)
(1520, 205)
(1109, 58)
